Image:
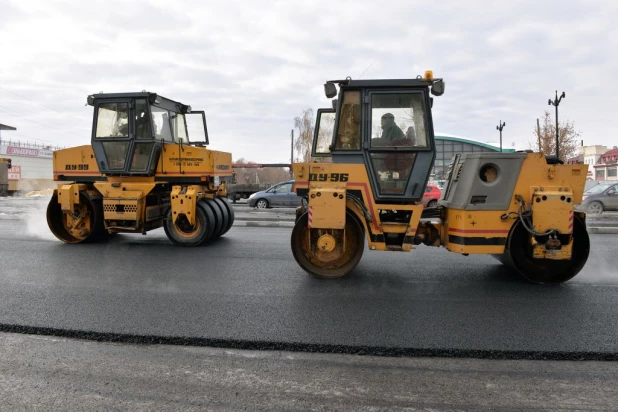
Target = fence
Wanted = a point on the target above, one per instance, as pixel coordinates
(18, 143)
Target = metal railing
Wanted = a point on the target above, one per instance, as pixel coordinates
(19, 143)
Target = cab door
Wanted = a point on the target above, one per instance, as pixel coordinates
(122, 139)
(111, 135)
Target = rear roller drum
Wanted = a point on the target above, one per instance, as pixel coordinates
(518, 254)
(183, 233)
(328, 253)
(85, 224)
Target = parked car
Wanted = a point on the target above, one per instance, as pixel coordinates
(279, 195)
(431, 196)
(600, 198)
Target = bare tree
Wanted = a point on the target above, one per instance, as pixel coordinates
(268, 175)
(545, 137)
(304, 125)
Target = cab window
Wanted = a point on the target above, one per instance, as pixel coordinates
(324, 135)
(142, 120)
(161, 124)
(179, 127)
(112, 120)
(348, 132)
(397, 120)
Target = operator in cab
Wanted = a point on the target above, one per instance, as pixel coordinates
(391, 133)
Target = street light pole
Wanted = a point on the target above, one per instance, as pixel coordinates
(555, 103)
(500, 126)
(291, 153)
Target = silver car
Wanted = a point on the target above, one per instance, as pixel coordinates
(600, 198)
(280, 195)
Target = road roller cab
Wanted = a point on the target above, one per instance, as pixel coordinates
(372, 156)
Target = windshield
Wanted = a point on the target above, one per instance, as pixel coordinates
(398, 119)
(597, 189)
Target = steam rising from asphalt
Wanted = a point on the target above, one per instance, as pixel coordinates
(36, 219)
(602, 266)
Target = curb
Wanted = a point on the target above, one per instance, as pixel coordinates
(600, 230)
(264, 219)
(253, 223)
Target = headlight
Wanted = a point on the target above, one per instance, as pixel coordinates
(584, 198)
(252, 195)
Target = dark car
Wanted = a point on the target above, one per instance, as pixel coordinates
(280, 195)
(600, 198)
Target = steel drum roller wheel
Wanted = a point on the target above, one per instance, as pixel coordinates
(85, 224)
(321, 252)
(518, 254)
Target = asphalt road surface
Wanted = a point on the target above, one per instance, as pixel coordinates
(49, 373)
(247, 291)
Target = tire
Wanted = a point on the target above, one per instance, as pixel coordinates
(595, 208)
(230, 212)
(432, 203)
(218, 222)
(262, 204)
(182, 233)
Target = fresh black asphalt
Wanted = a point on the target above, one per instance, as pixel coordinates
(246, 290)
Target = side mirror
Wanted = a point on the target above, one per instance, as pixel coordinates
(330, 90)
(611, 192)
(437, 88)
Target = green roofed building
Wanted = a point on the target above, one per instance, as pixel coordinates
(447, 146)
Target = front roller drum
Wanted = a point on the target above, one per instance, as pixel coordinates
(85, 224)
(328, 253)
(518, 255)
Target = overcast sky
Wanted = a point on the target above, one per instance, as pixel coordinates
(255, 65)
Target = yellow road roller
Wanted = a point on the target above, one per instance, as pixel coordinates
(373, 152)
(147, 166)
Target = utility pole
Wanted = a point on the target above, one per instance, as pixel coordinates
(500, 126)
(555, 103)
(291, 153)
(538, 134)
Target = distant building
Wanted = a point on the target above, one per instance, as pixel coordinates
(447, 146)
(591, 154)
(32, 164)
(606, 168)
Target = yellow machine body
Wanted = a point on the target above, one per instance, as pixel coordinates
(518, 207)
(132, 180)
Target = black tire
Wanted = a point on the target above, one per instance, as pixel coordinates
(216, 210)
(224, 214)
(262, 204)
(182, 233)
(595, 208)
(230, 213)
(432, 203)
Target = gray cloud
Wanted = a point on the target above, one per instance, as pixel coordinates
(254, 66)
